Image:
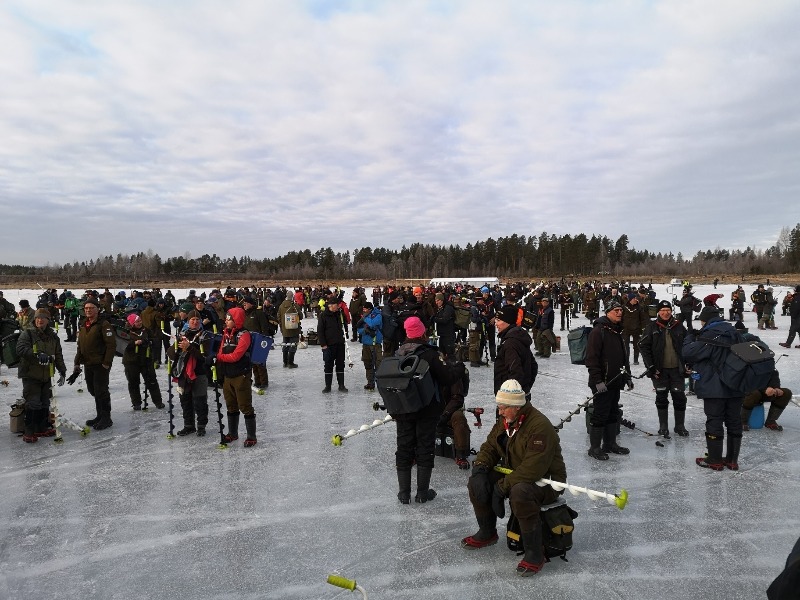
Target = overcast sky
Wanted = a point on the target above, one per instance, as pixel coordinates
(259, 127)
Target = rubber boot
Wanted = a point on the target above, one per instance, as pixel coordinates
(105, 416)
(772, 418)
(233, 427)
(404, 485)
(486, 534)
(91, 422)
(250, 425)
(595, 439)
(714, 458)
(31, 417)
(610, 440)
(292, 364)
(533, 560)
(340, 381)
(746, 418)
(663, 422)
(328, 382)
(731, 459)
(680, 419)
(424, 491)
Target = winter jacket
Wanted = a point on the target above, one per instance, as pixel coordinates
(545, 319)
(330, 328)
(533, 451)
(234, 350)
(445, 319)
(606, 358)
(369, 328)
(32, 341)
(635, 317)
(514, 359)
(97, 344)
(655, 338)
(703, 357)
(137, 354)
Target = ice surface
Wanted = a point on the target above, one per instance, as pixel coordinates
(127, 513)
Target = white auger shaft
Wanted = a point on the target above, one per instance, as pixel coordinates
(619, 500)
(338, 439)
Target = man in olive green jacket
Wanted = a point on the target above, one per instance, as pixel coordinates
(96, 347)
(523, 440)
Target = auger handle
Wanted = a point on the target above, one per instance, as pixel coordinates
(342, 582)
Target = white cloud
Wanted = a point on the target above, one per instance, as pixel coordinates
(262, 127)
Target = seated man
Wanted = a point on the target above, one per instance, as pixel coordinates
(523, 440)
(778, 398)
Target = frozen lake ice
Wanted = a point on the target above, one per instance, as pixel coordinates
(127, 513)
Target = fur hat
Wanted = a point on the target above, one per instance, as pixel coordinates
(42, 313)
(708, 313)
(508, 314)
(414, 327)
(510, 394)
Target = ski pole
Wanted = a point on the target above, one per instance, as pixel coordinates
(347, 584)
(337, 439)
(619, 500)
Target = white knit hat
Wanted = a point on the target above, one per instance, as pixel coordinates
(510, 394)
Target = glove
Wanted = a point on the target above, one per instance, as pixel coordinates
(44, 359)
(479, 486)
(498, 501)
(600, 388)
(654, 375)
(61, 379)
(74, 377)
(444, 419)
(629, 383)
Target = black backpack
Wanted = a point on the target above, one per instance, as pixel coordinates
(405, 383)
(748, 365)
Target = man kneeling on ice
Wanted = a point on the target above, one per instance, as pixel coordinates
(525, 441)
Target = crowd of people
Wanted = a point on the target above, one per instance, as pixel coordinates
(207, 339)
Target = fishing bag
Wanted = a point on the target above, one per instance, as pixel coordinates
(557, 527)
(747, 367)
(578, 340)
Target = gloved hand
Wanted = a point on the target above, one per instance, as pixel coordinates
(655, 374)
(479, 485)
(444, 419)
(600, 388)
(498, 501)
(44, 359)
(62, 377)
(74, 377)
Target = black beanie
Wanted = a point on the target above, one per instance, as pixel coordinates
(708, 313)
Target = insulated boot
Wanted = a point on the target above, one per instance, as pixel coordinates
(713, 460)
(610, 440)
(595, 439)
(404, 484)
(680, 428)
(250, 425)
(533, 560)
(424, 491)
(233, 427)
(328, 382)
(292, 364)
(187, 429)
(485, 536)
(340, 381)
(105, 416)
(731, 459)
(91, 422)
(663, 422)
(42, 427)
(772, 418)
(30, 420)
(746, 418)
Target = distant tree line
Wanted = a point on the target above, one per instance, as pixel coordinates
(516, 256)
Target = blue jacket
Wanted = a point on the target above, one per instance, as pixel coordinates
(702, 357)
(374, 322)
